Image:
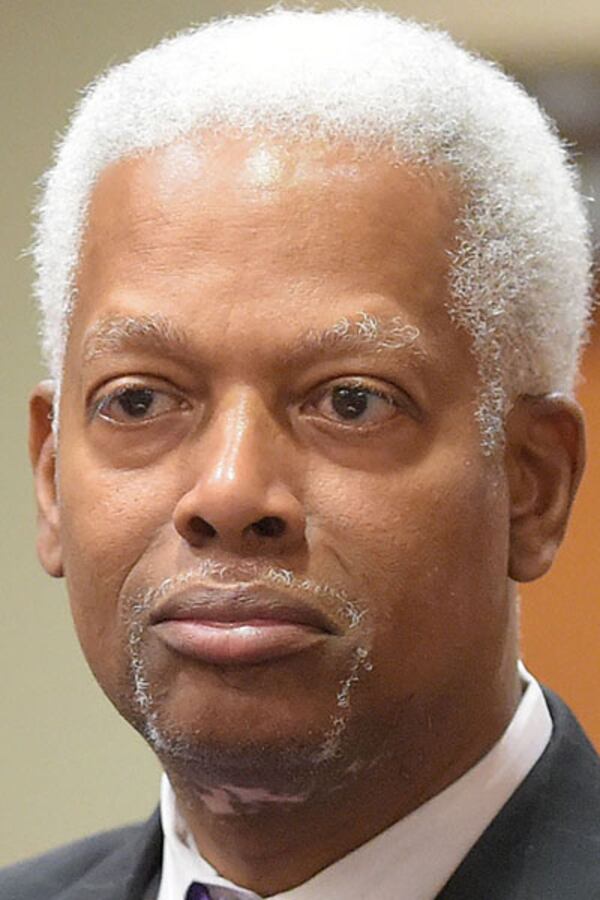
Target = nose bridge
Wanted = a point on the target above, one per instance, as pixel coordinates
(238, 440)
(238, 487)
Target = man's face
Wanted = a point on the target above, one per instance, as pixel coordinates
(277, 525)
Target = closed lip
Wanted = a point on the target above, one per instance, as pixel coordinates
(236, 604)
(238, 625)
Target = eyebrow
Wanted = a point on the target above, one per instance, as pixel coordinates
(115, 334)
(362, 332)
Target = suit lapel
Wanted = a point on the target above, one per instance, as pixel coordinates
(151, 892)
(128, 872)
(545, 842)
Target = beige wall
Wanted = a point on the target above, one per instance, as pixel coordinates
(68, 765)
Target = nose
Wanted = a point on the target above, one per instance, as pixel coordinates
(238, 497)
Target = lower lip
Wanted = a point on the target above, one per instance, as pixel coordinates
(237, 643)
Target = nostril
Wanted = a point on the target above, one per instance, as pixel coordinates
(200, 526)
(269, 526)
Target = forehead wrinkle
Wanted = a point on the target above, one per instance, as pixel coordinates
(112, 334)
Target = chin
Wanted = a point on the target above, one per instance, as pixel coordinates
(280, 764)
(282, 747)
(281, 726)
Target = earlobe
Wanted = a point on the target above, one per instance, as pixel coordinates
(545, 455)
(42, 452)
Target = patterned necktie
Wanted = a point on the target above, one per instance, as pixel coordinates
(196, 892)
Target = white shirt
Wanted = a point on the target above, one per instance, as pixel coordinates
(411, 860)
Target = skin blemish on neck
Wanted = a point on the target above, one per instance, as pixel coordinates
(231, 799)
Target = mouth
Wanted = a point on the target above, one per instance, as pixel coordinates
(237, 625)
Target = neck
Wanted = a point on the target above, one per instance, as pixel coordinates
(269, 840)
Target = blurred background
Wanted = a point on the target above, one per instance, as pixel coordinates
(69, 765)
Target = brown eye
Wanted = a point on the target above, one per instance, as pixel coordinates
(136, 404)
(350, 403)
(357, 403)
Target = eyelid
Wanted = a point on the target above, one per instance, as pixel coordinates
(394, 395)
(101, 397)
(379, 387)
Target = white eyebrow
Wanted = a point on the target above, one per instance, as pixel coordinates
(114, 333)
(362, 330)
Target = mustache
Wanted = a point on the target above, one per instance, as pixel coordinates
(284, 581)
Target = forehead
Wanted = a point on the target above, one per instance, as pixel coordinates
(314, 229)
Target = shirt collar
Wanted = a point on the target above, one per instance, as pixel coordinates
(418, 853)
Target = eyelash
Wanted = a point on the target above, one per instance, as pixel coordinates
(100, 406)
(364, 387)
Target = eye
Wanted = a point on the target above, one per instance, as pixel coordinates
(357, 403)
(132, 403)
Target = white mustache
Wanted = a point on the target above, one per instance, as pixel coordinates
(226, 573)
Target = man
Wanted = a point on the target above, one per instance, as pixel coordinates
(313, 289)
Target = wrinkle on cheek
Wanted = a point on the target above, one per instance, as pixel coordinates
(324, 534)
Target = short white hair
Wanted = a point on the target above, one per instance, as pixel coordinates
(520, 272)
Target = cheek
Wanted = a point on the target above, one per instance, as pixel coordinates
(411, 519)
(109, 522)
(109, 516)
(427, 551)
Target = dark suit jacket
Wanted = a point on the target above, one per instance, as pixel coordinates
(544, 844)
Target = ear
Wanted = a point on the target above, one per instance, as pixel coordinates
(545, 457)
(42, 452)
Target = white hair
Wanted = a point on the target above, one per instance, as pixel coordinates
(520, 273)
